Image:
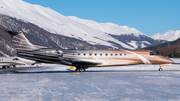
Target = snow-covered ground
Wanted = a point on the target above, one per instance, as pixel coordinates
(126, 83)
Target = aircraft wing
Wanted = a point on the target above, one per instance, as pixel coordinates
(83, 62)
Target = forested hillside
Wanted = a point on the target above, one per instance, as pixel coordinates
(170, 49)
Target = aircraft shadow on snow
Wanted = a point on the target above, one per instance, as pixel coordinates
(72, 71)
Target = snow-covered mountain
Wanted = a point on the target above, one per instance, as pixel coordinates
(108, 27)
(85, 30)
(169, 36)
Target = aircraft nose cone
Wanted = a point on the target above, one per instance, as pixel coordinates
(170, 61)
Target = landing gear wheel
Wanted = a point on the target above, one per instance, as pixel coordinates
(3, 67)
(160, 69)
(80, 69)
(77, 70)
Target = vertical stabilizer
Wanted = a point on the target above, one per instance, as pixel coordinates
(21, 43)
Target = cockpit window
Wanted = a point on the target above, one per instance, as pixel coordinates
(153, 53)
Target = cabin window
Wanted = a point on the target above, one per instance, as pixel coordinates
(100, 54)
(90, 54)
(73, 54)
(84, 54)
(79, 54)
(120, 54)
(95, 54)
(111, 54)
(125, 54)
(153, 53)
(106, 54)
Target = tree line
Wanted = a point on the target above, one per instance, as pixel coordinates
(169, 51)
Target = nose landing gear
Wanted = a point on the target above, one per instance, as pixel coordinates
(160, 69)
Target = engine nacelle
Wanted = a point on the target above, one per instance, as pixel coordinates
(49, 52)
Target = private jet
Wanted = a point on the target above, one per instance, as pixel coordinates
(7, 62)
(83, 59)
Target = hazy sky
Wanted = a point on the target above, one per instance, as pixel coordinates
(147, 16)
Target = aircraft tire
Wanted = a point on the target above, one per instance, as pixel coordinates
(80, 69)
(160, 69)
(84, 69)
(3, 67)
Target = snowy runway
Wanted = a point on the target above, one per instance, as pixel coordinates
(56, 82)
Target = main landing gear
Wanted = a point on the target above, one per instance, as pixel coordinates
(81, 69)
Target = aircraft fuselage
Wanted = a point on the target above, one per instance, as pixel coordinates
(94, 58)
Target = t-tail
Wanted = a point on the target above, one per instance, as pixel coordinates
(21, 43)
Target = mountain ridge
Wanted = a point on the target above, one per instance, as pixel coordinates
(169, 35)
(56, 23)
